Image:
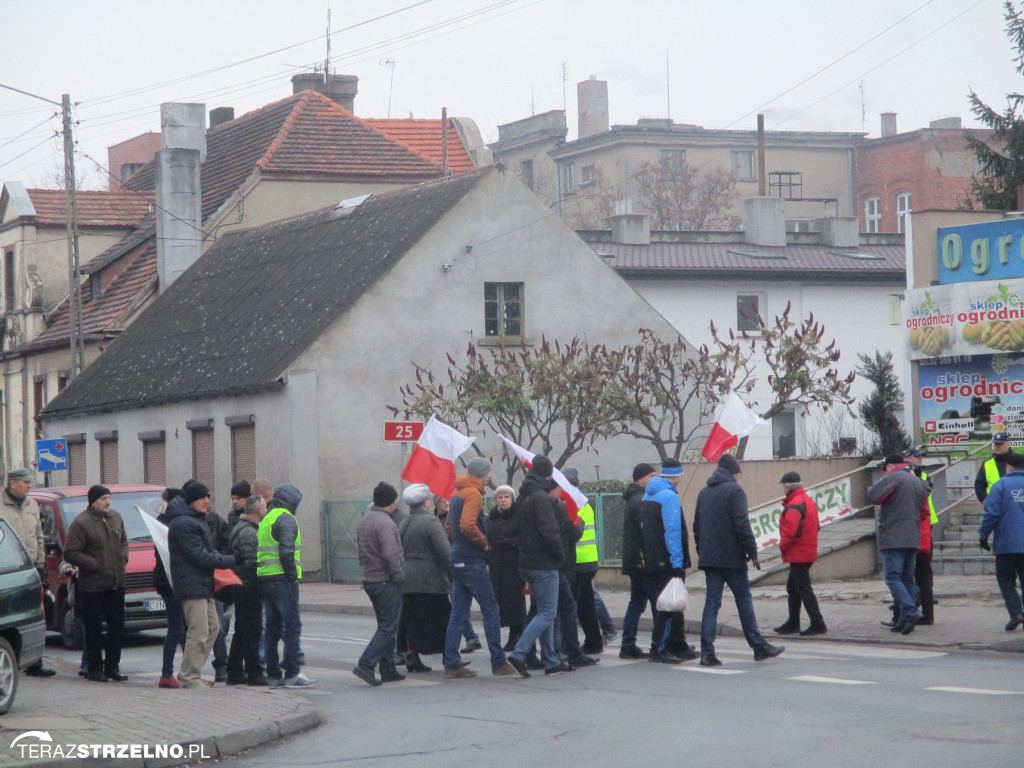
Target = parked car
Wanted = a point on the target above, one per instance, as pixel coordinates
(143, 607)
(22, 627)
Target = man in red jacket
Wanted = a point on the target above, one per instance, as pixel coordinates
(798, 531)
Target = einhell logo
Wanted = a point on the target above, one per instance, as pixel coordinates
(948, 425)
(44, 748)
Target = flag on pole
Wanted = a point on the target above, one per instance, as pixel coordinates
(159, 533)
(574, 498)
(433, 459)
(734, 421)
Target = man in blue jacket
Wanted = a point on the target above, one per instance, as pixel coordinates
(1004, 519)
(665, 553)
(725, 542)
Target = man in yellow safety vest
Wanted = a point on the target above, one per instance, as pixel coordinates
(994, 468)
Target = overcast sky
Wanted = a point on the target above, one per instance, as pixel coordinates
(715, 64)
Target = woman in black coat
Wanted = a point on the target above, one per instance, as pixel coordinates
(503, 536)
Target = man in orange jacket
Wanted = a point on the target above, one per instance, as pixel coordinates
(798, 531)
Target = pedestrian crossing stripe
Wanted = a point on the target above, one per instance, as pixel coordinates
(832, 680)
(981, 691)
(711, 670)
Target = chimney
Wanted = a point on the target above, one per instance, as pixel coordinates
(179, 222)
(341, 89)
(764, 221)
(592, 103)
(839, 231)
(945, 124)
(888, 124)
(221, 115)
(630, 228)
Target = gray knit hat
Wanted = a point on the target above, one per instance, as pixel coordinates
(478, 467)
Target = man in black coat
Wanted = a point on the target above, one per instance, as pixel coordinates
(632, 560)
(245, 645)
(725, 541)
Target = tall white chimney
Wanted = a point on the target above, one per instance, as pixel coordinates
(179, 218)
(592, 103)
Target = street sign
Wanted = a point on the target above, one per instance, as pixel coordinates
(402, 431)
(51, 455)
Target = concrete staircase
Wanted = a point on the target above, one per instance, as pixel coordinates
(958, 554)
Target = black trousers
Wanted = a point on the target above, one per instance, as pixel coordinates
(103, 655)
(245, 643)
(653, 584)
(800, 592)
(925, 596)
(586, 610)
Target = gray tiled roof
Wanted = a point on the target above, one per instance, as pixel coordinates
(236, 319)
(740, 259)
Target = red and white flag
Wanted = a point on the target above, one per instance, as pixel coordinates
(574, 498)
(433, 459)
(734, 421)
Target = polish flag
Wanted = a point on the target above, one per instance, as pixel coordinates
(574, 498)
(734, 421)
(433, 459)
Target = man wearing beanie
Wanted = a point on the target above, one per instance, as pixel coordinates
(383, 562)
(240, 491)
(193, 560)
(278, 570)
(632, 560)
(470, 577)
(798, 543)
(98, 546)
(665, 548)
(725, 542)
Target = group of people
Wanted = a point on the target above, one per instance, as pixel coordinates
(259, 542)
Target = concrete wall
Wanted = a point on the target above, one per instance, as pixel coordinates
(856, 316)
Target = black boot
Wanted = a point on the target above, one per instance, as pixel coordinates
(413, 663)
(790, 627)
(514, 633)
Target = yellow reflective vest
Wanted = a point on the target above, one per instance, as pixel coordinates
(586, 547)
(268, 554)
(991, 474)
(931, 504)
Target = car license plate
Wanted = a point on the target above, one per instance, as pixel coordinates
(155, 605)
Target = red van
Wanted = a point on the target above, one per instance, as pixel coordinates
(143, 607)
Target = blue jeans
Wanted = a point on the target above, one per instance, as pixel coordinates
(386, 597)
(637, 605)
(471, 580)
(739, 585)
(220, 646)
(603, 617)
(544, 589)
(899, 565)
(1010, 568)
(175, 634)
(567, 618)
(281, 603)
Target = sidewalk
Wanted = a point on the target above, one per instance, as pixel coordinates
(218, 721)
(969, 616)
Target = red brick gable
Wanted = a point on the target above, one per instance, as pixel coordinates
(426, 138)
(95, 208)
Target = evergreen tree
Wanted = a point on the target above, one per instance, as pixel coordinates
(882, 409)
(1001, 158)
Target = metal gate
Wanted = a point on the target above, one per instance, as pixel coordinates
(340, 521)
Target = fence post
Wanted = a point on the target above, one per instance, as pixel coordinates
(329, 540)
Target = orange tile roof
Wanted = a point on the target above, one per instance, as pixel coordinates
(95, 208)
(426, 138)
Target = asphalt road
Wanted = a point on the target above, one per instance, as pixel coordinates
(819, 704)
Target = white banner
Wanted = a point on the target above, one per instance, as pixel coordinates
(159, 533)
(833, 502)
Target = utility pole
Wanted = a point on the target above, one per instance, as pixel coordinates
(74, 282)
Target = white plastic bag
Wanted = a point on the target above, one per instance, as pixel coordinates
(674, 597)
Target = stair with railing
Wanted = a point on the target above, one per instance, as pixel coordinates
(959, 554)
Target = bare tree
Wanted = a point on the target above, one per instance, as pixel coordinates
(680, 197)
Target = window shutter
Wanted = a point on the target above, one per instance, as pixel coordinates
(202, 459)
(243, 453)
(154, 458)
(76, 463)
(108, 461)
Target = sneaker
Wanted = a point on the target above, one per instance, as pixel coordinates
(689, 654)
(40, 671)
(169, 681)
(518, 666)
(814, 629)
(363, 673)
(301, 681)
(911, 622)
(220, 675)
(631, 652)
(890, 623)
(394, 677)
(1013, 623)
(277, 682)
(472, 645)
(768, 651)
(609, 636)
(454, 673)
(583, 661)
(664, 658)
(560, 669)
(504, 670)
(710, 660)
(789, 628)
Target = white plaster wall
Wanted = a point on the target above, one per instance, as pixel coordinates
(856, 316)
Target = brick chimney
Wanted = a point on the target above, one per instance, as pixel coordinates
(221, 115)
(341, 89)
(888, 124)
(179, 222)
(592, 103)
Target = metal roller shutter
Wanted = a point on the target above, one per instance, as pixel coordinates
(154, 457)
(202, 460)
(108, 461)
(76, 463)
(243, 453)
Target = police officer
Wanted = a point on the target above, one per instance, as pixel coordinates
(993, 468)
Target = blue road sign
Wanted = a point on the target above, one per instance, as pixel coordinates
(51, 455)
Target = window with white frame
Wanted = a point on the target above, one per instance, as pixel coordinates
(749, 309)
(589, 174)
(784, 434)
(743, 165)
(873, 214)
(526, 173)
(503, 309)
(902, 209)
(569, 179)
(672, 160)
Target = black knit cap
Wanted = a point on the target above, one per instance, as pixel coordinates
(642, 470)
(195, 491)
(97, 491)
(384, 495)
(729, 464)
(241, 489)
(542, 466)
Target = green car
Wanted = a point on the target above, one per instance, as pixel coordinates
(22, 626)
